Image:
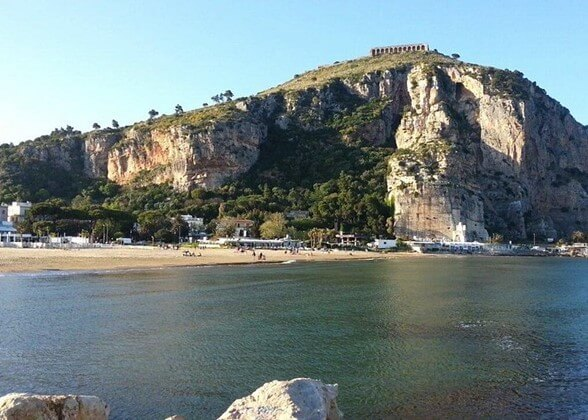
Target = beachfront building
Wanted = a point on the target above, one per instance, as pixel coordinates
(284, 243)
(195, 227)
(7, 232)
(459, 233)
(195, 224)
(68, 240)
(383, 244)
(243, 228)
(10, 237)
(3, 212)
(348, 240)
(461, 247)
(17, 211)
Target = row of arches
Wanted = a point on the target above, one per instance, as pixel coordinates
(399, 49)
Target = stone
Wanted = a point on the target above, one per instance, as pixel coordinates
(19, 406)
(300, 398)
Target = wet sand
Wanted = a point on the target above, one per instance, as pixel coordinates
(14, 260)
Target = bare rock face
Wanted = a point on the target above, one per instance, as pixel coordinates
(475, 146)
(187, 157)
(493, 158)
(300, 398)
(52, 407)
(97, 146)
(67, 153)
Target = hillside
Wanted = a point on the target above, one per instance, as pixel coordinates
(419, 141)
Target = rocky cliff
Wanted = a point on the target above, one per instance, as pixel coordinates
(471, 150)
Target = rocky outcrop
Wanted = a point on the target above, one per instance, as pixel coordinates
(97, 147)
(475, 147)
(66, 153)
(489, 157)
(52, 407)
(300, 398)
(187, 157)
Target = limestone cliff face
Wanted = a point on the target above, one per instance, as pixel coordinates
(97, 146)
(470, 152)
(477, 147)
(187, 157)
(474, 147)
(66, 154)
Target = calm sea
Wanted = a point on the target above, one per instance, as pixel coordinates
(454, 336)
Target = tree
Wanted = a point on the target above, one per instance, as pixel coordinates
(103, 228)
(228, 95)
(455, 56)
(96, 126)
(164, 235)
(274, 226)
(152, 221)
(179, 227)
(115, 124)
(496, 238)
(216, 99)
(152, 114)
(318, 236)
(205, 104)
(179, 109)
(225, 227)
(577, 236)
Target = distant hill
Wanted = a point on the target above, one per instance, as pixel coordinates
(418, 140)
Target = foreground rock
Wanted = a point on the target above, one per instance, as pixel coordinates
(300, 398)
(52, 407)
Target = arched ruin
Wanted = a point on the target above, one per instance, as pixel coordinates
(395, 49)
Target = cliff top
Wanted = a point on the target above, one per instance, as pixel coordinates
(355, 69)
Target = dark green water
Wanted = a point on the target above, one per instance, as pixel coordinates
(414, 337)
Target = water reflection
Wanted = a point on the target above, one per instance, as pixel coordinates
(414, 337)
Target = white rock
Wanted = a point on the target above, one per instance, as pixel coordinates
(52, 407)
(300, 398)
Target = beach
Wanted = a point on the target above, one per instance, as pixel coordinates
(18, 260)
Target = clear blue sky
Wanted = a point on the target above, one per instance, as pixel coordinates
(81, 61)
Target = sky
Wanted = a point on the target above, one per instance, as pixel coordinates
(76, 62)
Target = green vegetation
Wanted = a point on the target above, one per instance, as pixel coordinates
(425, 156)
(355, 69)
(320, 164)
(195, 119)
(506, 82)
(24, 174)
(362, 115)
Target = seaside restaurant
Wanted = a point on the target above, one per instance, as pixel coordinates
(9, 236)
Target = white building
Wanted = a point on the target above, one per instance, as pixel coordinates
(18, 210)
(3, 212)
(76, 240)
(243, 228)
(459, 234)
(384, 243)
(246, 242)
(195, 224)
(7, 232)
(10, 237)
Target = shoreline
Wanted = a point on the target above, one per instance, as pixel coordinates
(41, 260)
(35, 261)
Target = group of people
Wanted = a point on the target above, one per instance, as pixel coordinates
(260, 257)
(187, 253)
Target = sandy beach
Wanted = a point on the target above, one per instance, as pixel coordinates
(14, 260)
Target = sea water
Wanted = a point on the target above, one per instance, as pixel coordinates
(443, 336)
